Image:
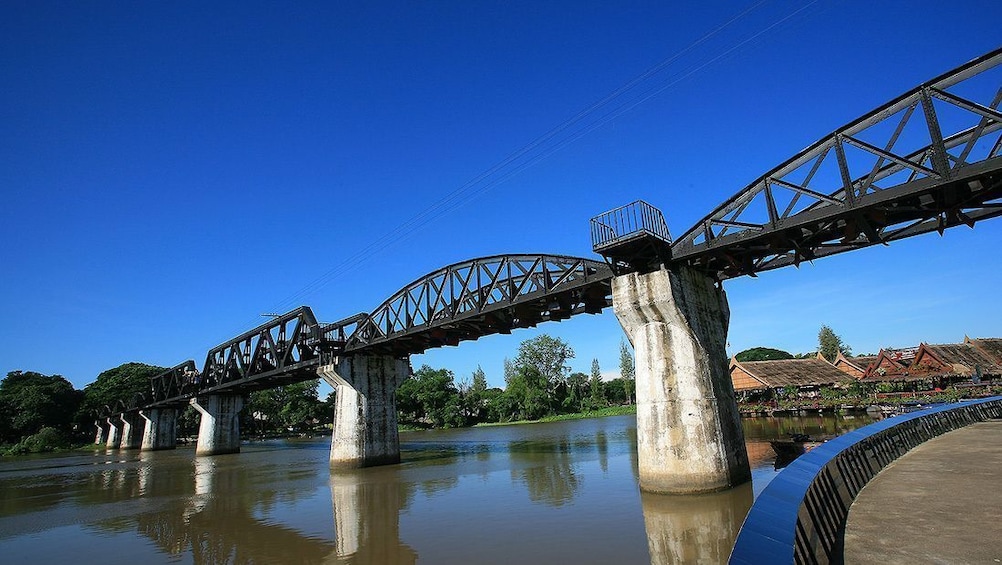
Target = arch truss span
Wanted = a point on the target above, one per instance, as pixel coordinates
(476, 298)
(929, 160)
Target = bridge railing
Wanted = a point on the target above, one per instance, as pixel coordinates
(800, 517)
(626, 222)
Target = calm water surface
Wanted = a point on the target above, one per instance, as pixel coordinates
(563, 492)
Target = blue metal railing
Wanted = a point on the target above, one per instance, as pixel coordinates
(800, 517)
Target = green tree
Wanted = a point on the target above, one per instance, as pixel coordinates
(285, 408)
(431, 397)
(616, 390)
(30, 401)
(595, 386)
(527, 393)
(575, 400)
(475, 401)
(762, 354)
(627, 370)
(830, 344)
(121, 383)
(548, 356)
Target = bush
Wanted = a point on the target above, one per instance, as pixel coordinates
(47, 439)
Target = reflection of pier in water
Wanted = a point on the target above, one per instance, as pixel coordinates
(367, 518)
(216, 521)
(694, 528)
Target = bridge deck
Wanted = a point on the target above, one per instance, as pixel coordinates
(939, 503)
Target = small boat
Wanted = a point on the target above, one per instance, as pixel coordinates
(789, 449)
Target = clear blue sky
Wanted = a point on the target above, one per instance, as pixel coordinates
(170, 171)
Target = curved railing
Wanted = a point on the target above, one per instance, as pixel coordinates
(800, 517)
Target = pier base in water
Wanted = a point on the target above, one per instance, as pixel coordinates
(219, 426)
(114, 432)
(132, 430)
(365, 412)
(161, 429)
(689, 437)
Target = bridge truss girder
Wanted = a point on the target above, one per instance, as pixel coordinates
(473, 299)
(284, 350)
(926, 161)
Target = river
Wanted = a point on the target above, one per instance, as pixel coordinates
(563, 492)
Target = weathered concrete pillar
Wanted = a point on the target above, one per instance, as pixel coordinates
(219, 425)
(114, 432)
(161, 429)
(132, 430)
(365, 413)
(102, 432)
(689, 437)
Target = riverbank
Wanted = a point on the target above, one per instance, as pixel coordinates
(601, 413)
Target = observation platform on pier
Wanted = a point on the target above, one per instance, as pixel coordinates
(939, 503)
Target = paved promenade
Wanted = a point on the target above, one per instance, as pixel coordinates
(940, 503)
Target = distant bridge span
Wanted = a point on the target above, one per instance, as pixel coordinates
(926, 161)
(464, 301)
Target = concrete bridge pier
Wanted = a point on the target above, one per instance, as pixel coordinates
(114, 432)
(689, 437)
(102, 432)
(219, 425)
(161, 429)
(132, 430)
(365, 413)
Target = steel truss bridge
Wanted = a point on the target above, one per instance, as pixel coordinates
(926, 161)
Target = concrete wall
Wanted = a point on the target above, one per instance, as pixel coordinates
(689, 437)
(365, 413)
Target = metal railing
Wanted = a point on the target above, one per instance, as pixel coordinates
(626, 222)
(800, 517)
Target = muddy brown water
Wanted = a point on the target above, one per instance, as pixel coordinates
(563, 492)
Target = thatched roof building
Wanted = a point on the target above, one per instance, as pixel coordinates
(854, 366)
(927, 362)
(765, 375)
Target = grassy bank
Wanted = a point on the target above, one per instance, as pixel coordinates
(607, 411)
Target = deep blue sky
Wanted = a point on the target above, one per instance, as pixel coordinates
(170, 171)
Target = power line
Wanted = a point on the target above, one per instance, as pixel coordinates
(523, 158)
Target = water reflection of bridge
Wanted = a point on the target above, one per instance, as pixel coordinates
(217, 512)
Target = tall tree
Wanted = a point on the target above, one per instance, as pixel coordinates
(547, 356)
(479, 380)
(430, 396)
(120, 383)
(475, 401)
(595, 383)
(30, 401)
(627, 370)
(830, 344)
(576, 383)
(288, 407)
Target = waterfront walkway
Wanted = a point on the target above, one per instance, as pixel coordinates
(939, 503)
